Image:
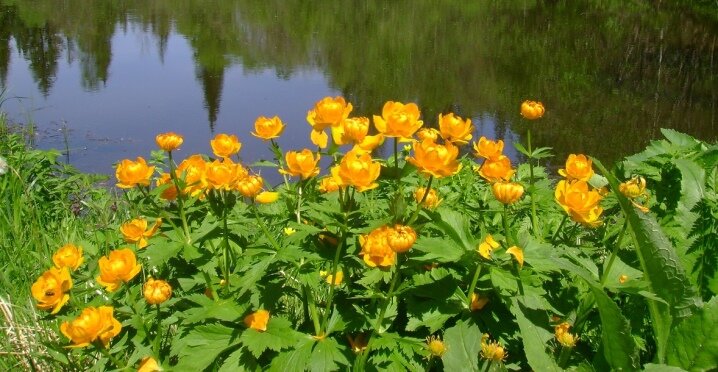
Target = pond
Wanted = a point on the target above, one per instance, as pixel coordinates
(103, 78)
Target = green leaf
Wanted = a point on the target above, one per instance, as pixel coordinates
(327, 356)
(503, 281)
(438, 250)
(240, 361)
(456, 226)
(463, 344)
(534, 338)
(158, 254)
(619, 347)
(201, 346)
(678, 138)
(279, 335)
(295, 360)
(693, 178)
(693, 344)
(650, 367)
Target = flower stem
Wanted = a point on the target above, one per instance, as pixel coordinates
(563, 356)
(555, 234)
(534, 220)
(298, 212)
(180, 199)
(313, 311)
(278, 157)
(415, 215)
(264, 229)
(158, 336)
(505, 221)
(225, 241)
(614, 252)
(472, 286)
(332, 285)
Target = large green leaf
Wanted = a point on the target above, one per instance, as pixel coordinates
(693, 344)
(327, 356)
(202, 345)
(534, 338)
(463, 344)
(619, 347)
(456, 226)
(279, 335)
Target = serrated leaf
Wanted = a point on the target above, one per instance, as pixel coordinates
(226, 310)
(456, 226)
(693, 344)
(463, 344)
(240, 361)
(159, 253)
(327, 356)
(279, 335)
(692, 182)
(438, 250)
(295, 360)
(203, 344)
(534, 339)
(619, 347)
(678, 138)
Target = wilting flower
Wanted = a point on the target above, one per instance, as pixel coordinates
(266, 197)
(331, 278)
(69, 256)
(375, 248)
(328, 184)
(225, 145)
(488, 149)
(358, 343)
(192, 169)
(169, 141)
(634, 189)
(148, 364)
(351, 130)
(117, 267)
(357, 169)
(435, 160)
(328, 112)
(578, 167)
(518, 254)
(401, 238)
(369, 143)
(135, 231)
(257, 320)
(432, 199)
(488, 246)
(250, 186)
(435, 346)
(429, 133)
(532, 110)
(478, 302)
(267, 129)
(563, 337)
(581, 204)
(170, 193)
(494, 170)
(50, 289)
(301, 164)
(132, 173)
(93, 324)
(398, 120)
(507, 192)
(455, 129)
(623, 278)
(156, 291)
(492, 350)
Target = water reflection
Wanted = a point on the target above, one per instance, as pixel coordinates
(610, 73)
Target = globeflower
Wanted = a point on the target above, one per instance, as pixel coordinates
(328, 184)
(357, 169)
(116, 268)
(221, 175)
(435, 346)
(369, 143)
(50, 289)
(351, 130)
(301, 164)
(327, 112)
(492, 350)
(532, 110)
(435, 160)
(132, 173)
(578, 167)
(257, 320)
(494, 170)
(268, 129)
(156, 291)
(398, 120)
(401, 238)
(192, 170)
(488, 149)
(148, 364)
(563, 337)
(225, 145)
(518, 254)
(266, 197)
(581, 204)
(507, 192)
(455, 129)
(478, 302)
(170, 193)
(375, 248)
(69, 256)
(93, 324)
(331, 278)
(169, 141)
(432, 199)
(487, 246)
(250, 186)
(135, 231)
(429, 133)
(633, 188)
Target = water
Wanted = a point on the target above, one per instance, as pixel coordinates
(115, 73)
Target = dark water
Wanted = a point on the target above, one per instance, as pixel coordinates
(114, 73)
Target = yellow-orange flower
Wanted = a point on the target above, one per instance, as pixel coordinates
(633, 188)
(435, 346)
(369, 143)
(357, 169)
(50, 289)
(331, 278)
(221, 175)
(563, 337)
(398, 120)
(492, 351)
(507, 192)
(532, 110)
(432, 199)
(518, 254)
(429, 133)
(351, 130)
(117, 267)
(225, 145)
(478, 302)
(156, 291)
(267, 129)
(148, 364)
(623, 278)
(132, 173)
(257, 320)
(401, 238)
(581, 204)
(578, 167)
(135, 231)
(328, 184)
(192, 170)
(494, 170)
(170, 193)
(375, 248)
(266, 197)
(487, 246)
(301, 164)
(455, 129)
(93, 324)
(69, 256)
(434, 159)
(488, 149)
(250, 186)
(327, 112)
(169, 141)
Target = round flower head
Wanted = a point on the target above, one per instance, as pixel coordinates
(169, 141)
(117, 267)
(507, 192)
(455, 129)
(250, 186)
(327, 112)
(431, 200)
(633, 188)
(351, 130)
(375, 248)
(328, 184)
(532, 110)
(578, 167)
(301, 164)
(398, 120)
(69, 256)
(225, 145)
(427, 133)
(435, 160)
(132, 173)
(93, 324)
(156, 291)
(50, 289)
(498, 169)
(401, 238)
(222, 175)
(488, 149)
(581, 204)
(268, 129)
(357, 169)
(435, 346)
(192, 170)
(135, 231)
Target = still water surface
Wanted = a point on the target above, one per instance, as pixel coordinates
(115, 73)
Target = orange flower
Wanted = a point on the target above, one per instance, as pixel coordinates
(487, 246)
(352, 130)
(327, 112)
(398, 120)
(488, 149)
(156, 291)
(578, 167)
(69, 256)
(169, 141)
(358, 170)
(507, 192)
(170, 193)
(375, 248)
(581, 204)
(434, 159)
(221, 175)
(266, 197)
(117, 267)
(268, 129)
(401, 238)
(303, 164)
(432, 199)
(135, 231)
(328, 184)
(192, 169)
(250, 186)
(369, 143)
(633, 188)
(149, 364)
(257, 320)
(497, 169)
(225, 145)
(429, 133)
(532, 110)
(478, 302)
(455, 129)
(518, 254)
(50, 289)
(92, 325)
(563, 337)
(132, 173)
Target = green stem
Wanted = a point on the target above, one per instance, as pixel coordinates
(616, 247)
(564, 355)
(472, 286)
(278, 157)
(180, 199)
(505, 222)
(225, 234)
(264, 229)
(158, 336)
(118, 363)
(534, 219)
(313, 311)
(415, 215)
(335, 264)
(298, 212)
(555, 234)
